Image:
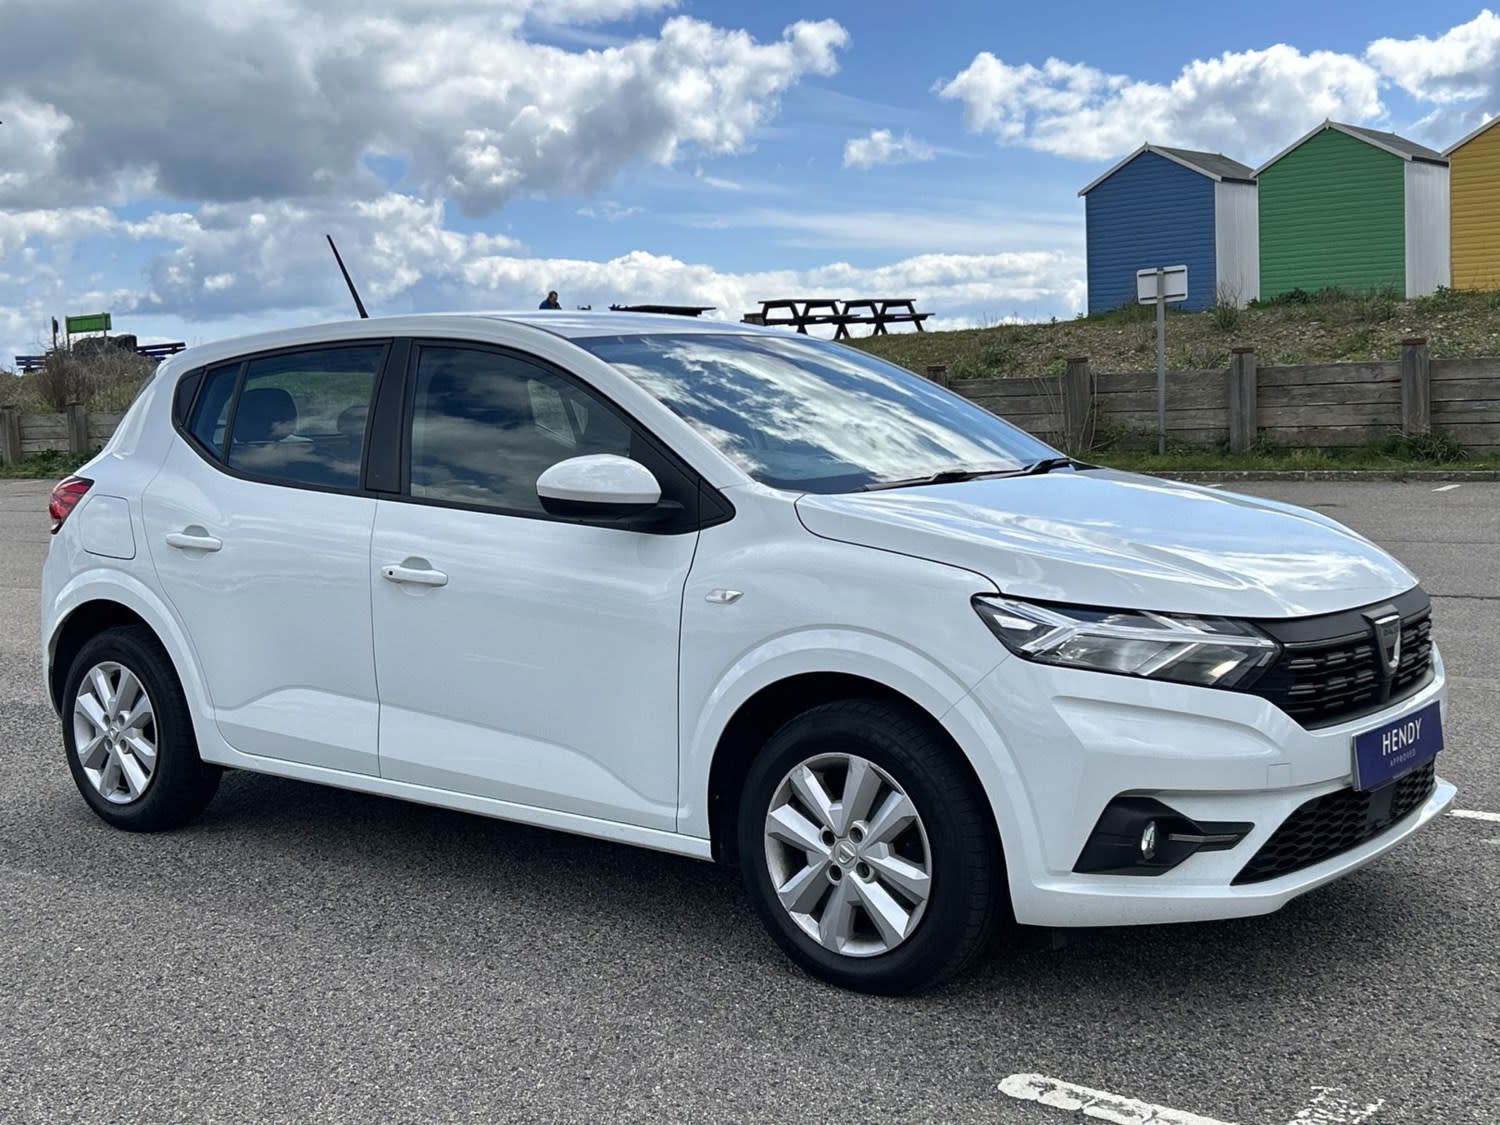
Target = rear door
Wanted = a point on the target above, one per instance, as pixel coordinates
(259, 528)
(524, 657)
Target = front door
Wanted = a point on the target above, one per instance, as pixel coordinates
(261, 543)
(522, 657)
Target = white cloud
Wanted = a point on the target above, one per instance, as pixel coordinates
(1459, 65)
(1248, 102)
(56, 226)
(609, 211)
(229, 268)
(304, 89)
(883, 147)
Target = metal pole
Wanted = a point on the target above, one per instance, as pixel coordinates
(1161, 360)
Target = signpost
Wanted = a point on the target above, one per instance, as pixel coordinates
(93, 322)
(1158, 286)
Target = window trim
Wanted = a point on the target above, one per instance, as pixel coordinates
(693, 481)
(219, 459)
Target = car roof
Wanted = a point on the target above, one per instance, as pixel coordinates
(582, 324)
(566, 325)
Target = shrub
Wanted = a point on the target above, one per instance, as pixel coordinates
(1225, 311)
(1436, 447)
(105, 377)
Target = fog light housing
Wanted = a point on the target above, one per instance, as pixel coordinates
(1142, 836)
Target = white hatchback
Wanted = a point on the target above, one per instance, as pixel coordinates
(738, 595)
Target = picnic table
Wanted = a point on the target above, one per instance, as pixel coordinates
(878, 312)
(881, 311)
(28, 363)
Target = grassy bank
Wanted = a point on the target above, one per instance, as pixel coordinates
(1323, 327)
(43, 466)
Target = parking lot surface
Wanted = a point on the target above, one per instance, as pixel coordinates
(309, 954)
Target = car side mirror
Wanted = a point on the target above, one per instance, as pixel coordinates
(599, 486)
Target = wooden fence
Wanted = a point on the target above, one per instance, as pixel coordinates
(76, 430)
(1311, 405)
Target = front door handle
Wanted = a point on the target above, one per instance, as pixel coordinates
(193, 539)
(414, 576)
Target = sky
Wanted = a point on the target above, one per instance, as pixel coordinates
(177, 162)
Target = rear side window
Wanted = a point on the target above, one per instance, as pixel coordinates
(300, 417)
(211, 409)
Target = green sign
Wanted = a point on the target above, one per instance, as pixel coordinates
(94, 322)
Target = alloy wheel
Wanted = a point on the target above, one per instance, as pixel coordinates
(848, 855)
(115, 732)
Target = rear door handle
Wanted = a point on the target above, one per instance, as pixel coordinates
(193, 539)
(414, 576)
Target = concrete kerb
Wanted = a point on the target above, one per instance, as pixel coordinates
(1219, 476)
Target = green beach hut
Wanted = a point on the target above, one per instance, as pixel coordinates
(1356, 209)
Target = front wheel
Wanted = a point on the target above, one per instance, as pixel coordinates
(868, 849)
(129, 734)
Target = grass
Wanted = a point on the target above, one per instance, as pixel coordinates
(1327, 326)
(1395, 455)
(44, 466)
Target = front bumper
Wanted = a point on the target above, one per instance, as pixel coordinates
(1072, 740)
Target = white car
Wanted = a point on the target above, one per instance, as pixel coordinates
(734, 594)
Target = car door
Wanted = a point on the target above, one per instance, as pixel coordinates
(260, 535)
(520, 656)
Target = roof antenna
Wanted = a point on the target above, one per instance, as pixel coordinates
(353, 292)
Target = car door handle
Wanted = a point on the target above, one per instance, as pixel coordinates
(193, 539)
(414, 576)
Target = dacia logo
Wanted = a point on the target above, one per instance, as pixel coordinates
(1388, 641)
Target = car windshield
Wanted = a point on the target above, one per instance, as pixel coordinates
(816, 416)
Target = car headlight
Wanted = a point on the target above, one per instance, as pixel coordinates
(1208, 651)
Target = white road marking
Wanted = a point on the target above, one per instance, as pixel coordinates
(1472, 814)
(1447, 487)
(1098, 1104)
(1330, 1107)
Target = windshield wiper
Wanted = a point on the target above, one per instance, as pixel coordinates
(952, 476)
(1047, 464)
(943, 476)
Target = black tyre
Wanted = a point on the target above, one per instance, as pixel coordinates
(129, 735)
(868, 849)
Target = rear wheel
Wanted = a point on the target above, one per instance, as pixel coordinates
(868, 850)
(129, 734)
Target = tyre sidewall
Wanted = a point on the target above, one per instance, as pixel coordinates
(180, 774)
(918, 765)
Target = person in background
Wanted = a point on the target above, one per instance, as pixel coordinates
(551, 301)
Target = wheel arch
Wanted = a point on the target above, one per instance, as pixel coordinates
(102, 599)
(775, 704)
(85, 621)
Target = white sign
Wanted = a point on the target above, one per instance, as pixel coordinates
(1176, 284)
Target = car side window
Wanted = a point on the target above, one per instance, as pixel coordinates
(300, 417)
(210, 415)
(486, 425)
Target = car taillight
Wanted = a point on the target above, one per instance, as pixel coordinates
(65, 498)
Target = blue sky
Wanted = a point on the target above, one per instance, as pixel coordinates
(473, 153)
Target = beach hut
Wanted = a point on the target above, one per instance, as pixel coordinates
(1166, 207)
(1474, 210)
(1353, 208)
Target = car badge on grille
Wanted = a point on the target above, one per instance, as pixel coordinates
(1388, 640)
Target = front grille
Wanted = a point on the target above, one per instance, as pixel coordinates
(1328, 825)
(1330, 670)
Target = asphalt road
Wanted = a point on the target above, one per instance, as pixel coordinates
(308, 954)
